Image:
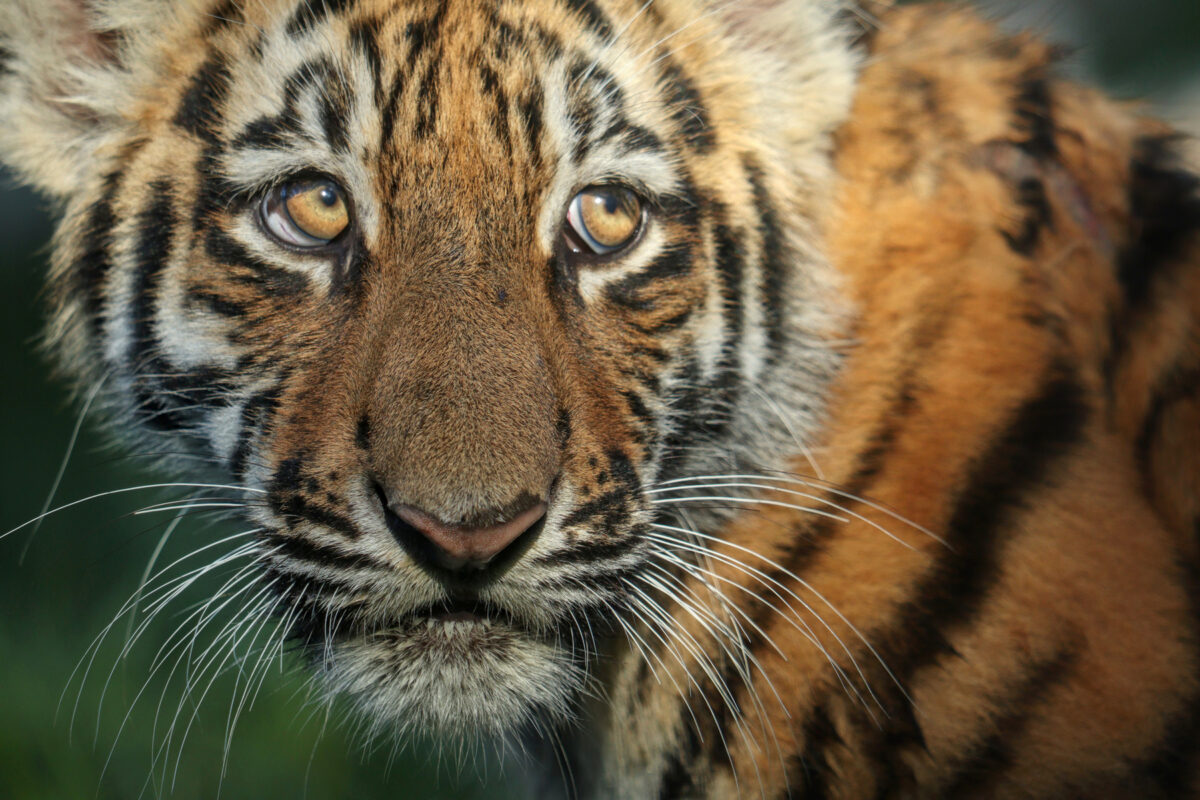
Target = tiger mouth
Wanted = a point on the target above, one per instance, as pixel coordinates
(458, 611)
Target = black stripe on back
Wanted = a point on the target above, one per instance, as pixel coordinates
(812, 534)
(1172, 763)
(809, 769)
(977, 773)
(1031, 197)
(1178, 384)
(1164, 207)
(1034, 116)
(1019, 461)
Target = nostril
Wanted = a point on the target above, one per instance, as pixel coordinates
(458, 547)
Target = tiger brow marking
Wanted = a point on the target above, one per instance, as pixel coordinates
(198, 112)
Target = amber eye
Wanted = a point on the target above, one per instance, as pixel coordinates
(306, 213)
(602, 220)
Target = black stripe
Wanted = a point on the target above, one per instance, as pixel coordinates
(364, 35)
(1035, 119)
(492, 88)
(362, 433)
(422, 34)
(336, 107)
(225, 15)
(298, 508)
(309, 552)
(1172, 764)
(387, 118)
(683, 425)
(312, 12)
(687, 108)
(7, 58)
(199, 112)
(590, 552)
(673, 262)
(276, 282)
(1031, 197)
(730, 272)
(94, 262)
(427, 99)
(633, 138)
(529, 106)
(1177, 385)
(219, 305)
(155, 227)
(277, 132)
(976, 775)
(562, 429)
(255, 417)
(1164, 207)
(812, 534)
(592, 16)
(1020, 460)
(809, 770)
(676, 780)
(585, 82)
(774, 260)
(609, 506)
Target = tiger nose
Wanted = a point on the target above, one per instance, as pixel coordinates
(458, 547)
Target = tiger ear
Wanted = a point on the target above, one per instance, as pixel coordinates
(61, 89)
(802, 56)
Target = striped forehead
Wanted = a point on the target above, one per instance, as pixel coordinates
(407, 99)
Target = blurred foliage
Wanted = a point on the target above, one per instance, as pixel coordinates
(84, 562)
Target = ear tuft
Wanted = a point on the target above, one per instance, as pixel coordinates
(803, 60)
(61, 88)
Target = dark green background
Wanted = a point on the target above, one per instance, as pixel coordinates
(86, 561)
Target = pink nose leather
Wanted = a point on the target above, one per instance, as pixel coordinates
(460, 546)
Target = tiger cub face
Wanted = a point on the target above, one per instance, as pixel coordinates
(447, 289)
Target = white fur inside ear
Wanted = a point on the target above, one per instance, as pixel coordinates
(64, 86)
(803, 65)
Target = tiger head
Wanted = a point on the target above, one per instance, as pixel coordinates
(445, 289)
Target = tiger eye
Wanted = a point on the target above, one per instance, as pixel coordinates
(603, 219)
(317, 209)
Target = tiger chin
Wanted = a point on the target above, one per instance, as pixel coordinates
(783, 398)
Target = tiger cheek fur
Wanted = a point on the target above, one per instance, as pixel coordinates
(807, 472)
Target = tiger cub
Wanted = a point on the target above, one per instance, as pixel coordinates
(744, 399)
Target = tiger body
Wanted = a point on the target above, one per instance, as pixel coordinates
(869, 467)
